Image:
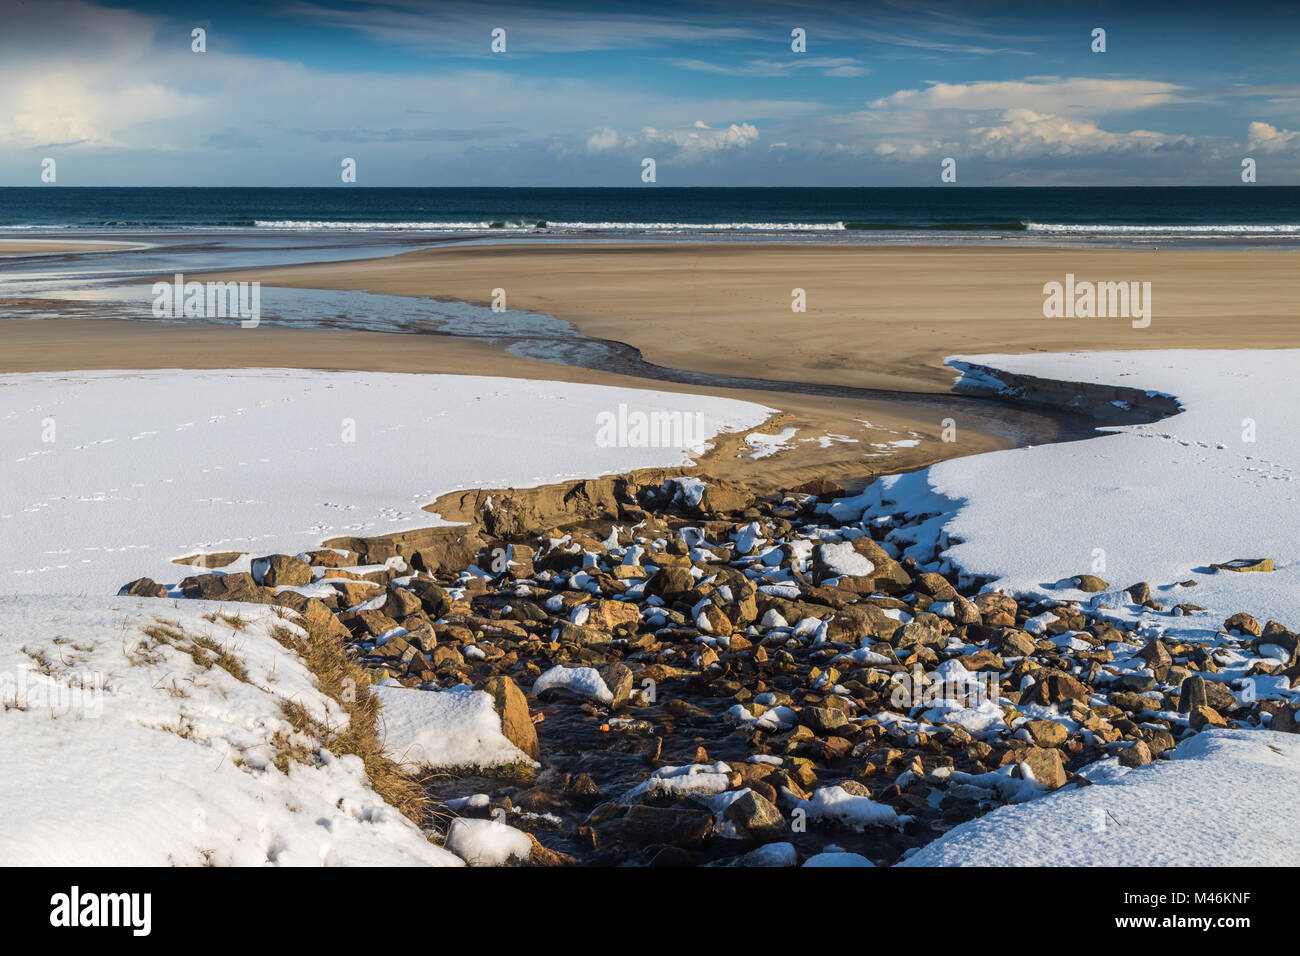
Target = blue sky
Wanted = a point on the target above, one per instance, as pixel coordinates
(712, 91)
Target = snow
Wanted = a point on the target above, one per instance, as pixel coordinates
(840, 806)
(699, 778)
(123, 751)
(444, 729)
(582, 681)
(766, 445)
(1157, 502)
(110, 476)
(841, 559)
(1226, 798)
(487, 842)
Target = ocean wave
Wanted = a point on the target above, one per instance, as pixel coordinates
(1262, 229)
(517, 225)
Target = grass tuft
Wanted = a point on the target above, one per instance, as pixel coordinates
(341, 678)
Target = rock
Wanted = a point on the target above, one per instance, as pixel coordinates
(516, 720)
(1286, 720)
(670, 582)
(570, 633)
(316, 615)
(713, 620)
(618, 678)
(1089, 583)
(607, 615)
(822, 720)
(1138, 683)
(281, 570)
(1015, 643)
(1137, 754)
(1279, 636)
(226, 587)
(1139, 593)
(964, 612)
(1055, 688)
(935, 585)
(722, 496)
(435, 600)
(644, 825)
(998, 609)
(1206, 716)
(919, 633)
(371, 623)
(143, 587)
(888, 576)
(756, 818)
(402, 603)
(1160, 740)
(1047, 733)
(452, 551)
(1191, 694)
(1242, 565)
(1046, 765)
(1157, 657)
(1244, 623)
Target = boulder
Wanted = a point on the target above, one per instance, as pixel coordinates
(516, 721)
(280, 570)
(756, 818)
(143, 587)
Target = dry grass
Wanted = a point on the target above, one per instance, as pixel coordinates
(348, 683)
(203, 650)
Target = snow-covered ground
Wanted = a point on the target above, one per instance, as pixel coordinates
(123, 750)
(1226, 798)
(109, 476)
(1157, 503)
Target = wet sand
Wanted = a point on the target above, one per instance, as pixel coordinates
(877, 316)
(32, 247)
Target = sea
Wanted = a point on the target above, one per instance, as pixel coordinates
(1139, 215)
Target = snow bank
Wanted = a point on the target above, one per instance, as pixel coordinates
(444, 729)
(1226, 798)
(1157, 503)
(125, 750)
(109, 476)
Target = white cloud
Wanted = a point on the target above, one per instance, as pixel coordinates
(1062, 97)
(1024, 133)
(1267, 137)
(687, 144)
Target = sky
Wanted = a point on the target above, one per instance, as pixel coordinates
(715, 93)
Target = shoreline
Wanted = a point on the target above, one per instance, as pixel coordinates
(877, 317)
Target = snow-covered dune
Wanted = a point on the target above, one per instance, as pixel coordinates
(171, 746)
(1226, 798)
(108, 476)
(1158, 502)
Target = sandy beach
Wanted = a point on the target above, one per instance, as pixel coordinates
(878, 317)
(31, 247)
(882, 317)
